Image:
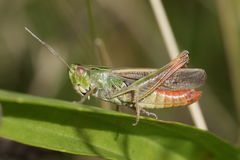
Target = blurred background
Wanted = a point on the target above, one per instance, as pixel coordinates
(209, 30)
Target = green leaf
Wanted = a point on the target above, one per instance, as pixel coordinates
(85, 130)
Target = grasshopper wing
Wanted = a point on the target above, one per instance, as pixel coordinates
(183, 79)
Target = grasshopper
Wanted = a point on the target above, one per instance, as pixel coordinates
(173, 85)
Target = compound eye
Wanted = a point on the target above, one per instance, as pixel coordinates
(80, 71)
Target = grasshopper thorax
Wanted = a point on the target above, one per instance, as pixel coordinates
(80, 78)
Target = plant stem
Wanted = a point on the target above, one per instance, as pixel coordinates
(171, 44)
(93, 32)
(91, 20)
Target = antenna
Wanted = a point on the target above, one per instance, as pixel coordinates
(51, 50)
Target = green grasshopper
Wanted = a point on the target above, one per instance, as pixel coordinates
(139, 88)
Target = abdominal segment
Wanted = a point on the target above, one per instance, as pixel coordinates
(167, 99)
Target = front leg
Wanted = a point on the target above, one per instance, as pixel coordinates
(87, 95)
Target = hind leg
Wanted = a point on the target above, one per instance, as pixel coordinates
(138, 111)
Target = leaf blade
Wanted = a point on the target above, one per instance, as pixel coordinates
(86, 130)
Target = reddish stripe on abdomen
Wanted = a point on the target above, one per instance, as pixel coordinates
(178, 98)
(167, 99)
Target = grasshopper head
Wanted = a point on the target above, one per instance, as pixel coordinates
(80, 78)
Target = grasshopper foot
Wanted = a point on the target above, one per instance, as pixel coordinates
(136, 122)
(149, 114)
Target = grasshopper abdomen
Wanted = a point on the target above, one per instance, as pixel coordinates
(168, 99)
